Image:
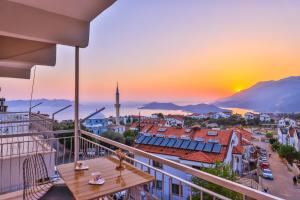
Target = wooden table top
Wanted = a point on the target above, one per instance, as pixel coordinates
(115, 181)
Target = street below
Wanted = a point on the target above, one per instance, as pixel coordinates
(282, 185)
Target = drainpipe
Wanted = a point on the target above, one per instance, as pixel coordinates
(76, 105)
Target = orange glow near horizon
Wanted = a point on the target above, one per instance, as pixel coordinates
(173, 51)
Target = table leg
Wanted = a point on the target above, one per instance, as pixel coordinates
(128, 194)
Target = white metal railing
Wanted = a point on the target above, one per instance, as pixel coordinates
(22, 122)
(91, 149)
(245, 191)
(58, 148)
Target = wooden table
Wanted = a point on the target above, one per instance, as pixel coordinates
(115, 181)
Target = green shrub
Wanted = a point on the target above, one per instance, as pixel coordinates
(272, 140)
(114, 136)
(269, 135)
(220, 171)
(275, 145)
(289, 153)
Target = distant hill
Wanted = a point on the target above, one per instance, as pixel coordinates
(198, 108)
(48, 102)
(163, 106)
(269, 96)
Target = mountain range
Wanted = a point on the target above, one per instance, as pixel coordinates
(198, 108)
(48, 102)
(268, 96)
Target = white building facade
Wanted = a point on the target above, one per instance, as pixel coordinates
(230, 157)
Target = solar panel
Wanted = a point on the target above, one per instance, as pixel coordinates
(158, 141)
(140, 139)
(185, 144)
(192, 145)
(178, 143)
(153, 139)
(200, 146)
(171, 142)
(217, 148)
(164, 142)
(146, 140)
(208, 147)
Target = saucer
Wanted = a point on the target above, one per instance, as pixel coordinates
(82, 168)
(99, 182)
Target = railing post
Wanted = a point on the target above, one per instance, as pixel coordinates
(76, 117)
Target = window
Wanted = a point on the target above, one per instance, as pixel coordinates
(158, 184)
(176, 189)
(157, 164)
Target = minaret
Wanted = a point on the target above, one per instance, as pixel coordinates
(117, 106)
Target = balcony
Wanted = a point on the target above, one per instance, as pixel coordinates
(29, 40)
(24, 122)
(34, 135)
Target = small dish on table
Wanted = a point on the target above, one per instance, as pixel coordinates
(80, 165)
(97, 179)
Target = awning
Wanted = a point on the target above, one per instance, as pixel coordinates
(53, 21)
(12, 72)
(27, 51)
(17, 56)
(30, 30)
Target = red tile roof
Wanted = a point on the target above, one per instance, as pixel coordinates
(197, 156)
(238, 149)
(243, 135)
(223, 136)
(147, 122)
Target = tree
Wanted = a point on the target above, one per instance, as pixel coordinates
(276, 145)
(64, 125)
(273, 140)
(114, 136)
(289, 153)
(269, 135)
(220, 171)
(160, 115)
(129, 136)
(188, 121)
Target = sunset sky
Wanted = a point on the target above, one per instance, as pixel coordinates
(174, 50)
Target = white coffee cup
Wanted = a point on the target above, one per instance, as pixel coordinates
(96, 176)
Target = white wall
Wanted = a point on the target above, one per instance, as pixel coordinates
(168, 169)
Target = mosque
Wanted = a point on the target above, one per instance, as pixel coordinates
(99, 124)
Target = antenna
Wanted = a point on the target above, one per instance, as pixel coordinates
(36, 105)
(139, 126)
(91, 115)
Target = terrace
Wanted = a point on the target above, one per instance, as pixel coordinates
(25, 134)
(58, 148)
